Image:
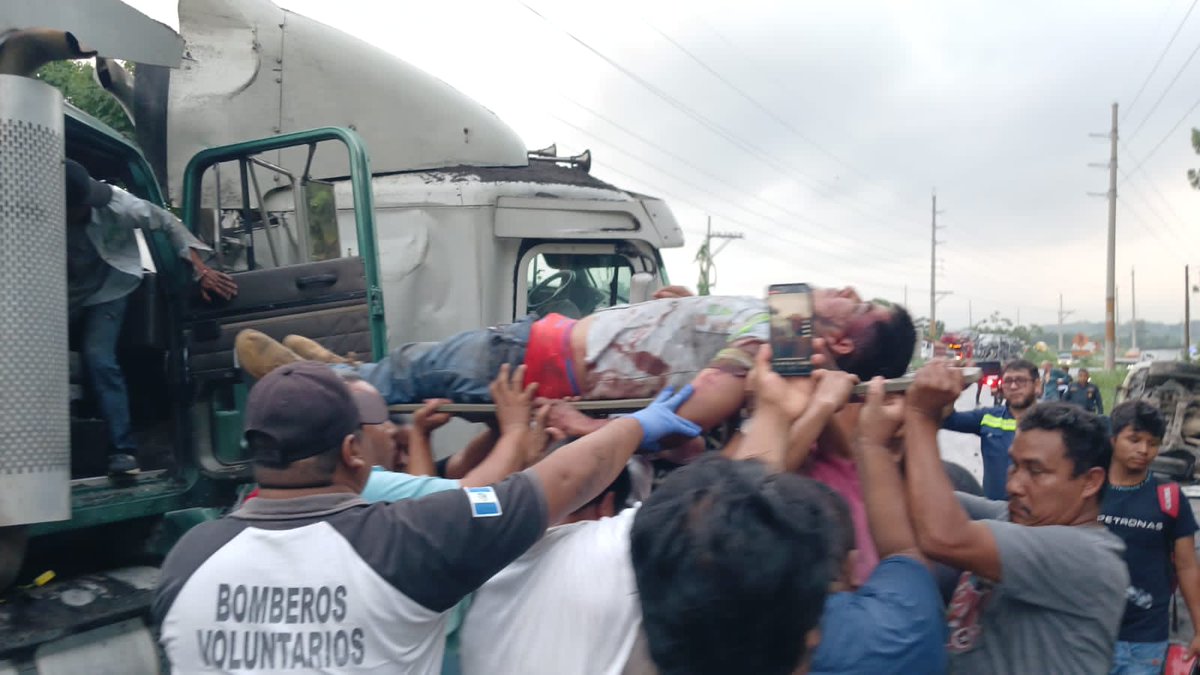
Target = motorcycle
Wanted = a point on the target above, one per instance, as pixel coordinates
(996, 384)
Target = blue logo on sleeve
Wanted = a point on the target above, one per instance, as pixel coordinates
(484, 502)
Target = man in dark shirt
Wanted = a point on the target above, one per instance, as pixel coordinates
(996, 426)
(104, 267)
(1158, 527)
(1084, 394)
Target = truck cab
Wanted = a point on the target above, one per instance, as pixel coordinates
(325, 238)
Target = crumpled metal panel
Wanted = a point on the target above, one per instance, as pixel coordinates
(255, 70)
(34, 414)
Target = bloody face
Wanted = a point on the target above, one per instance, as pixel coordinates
(840, 311)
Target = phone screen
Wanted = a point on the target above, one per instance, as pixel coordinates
(790, 307)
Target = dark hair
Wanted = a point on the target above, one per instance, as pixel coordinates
(621, 486)
(1022, 364)
(887, 347)
(961, 479)
(732, 565)
(1084, 434)
(1141, 416)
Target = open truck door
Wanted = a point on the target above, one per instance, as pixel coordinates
(273, 227)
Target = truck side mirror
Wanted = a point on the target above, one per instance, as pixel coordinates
(641, 287)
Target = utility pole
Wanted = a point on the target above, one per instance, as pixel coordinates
(1133, 309)
(970, 316)
(1187, 316)
(1110, 285)
(705, 256)
(934, 295)
(1062, 314)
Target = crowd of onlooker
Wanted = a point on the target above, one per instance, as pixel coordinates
(823, 534)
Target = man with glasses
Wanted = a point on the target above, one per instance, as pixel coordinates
(997, 426)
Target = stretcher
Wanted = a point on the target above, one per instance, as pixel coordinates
(477, 412)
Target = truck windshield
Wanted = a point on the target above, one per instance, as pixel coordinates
(576, 285)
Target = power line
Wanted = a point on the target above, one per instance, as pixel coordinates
(1163, 95)
(1158, 63)
(1127, 178)
(715, 128)
(1172, 247)
(698, 169)
(835, 245)
(775, 253)
(1179, 238)
(755, 102)
(1164, 138)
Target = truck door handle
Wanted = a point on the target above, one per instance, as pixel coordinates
(316, 281)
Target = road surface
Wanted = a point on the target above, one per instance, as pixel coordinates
(963, 449)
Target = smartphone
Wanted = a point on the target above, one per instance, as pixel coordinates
(791, 311)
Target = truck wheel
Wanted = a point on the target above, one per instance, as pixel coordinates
(12, 553)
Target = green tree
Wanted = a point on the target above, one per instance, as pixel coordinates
(1194, 174)
(79, 88)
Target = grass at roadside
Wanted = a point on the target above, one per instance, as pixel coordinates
(1108, 381)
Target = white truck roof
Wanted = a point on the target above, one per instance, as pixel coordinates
(281, 72)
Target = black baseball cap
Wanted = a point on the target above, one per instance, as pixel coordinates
(297, 411)
(82, 189)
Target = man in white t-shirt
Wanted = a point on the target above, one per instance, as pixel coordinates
(571, 603)
(568, 580)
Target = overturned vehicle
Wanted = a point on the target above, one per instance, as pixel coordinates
(1174, 388)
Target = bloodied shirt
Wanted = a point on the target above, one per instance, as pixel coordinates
(330, 583)
(633, 351)
(1056, 607)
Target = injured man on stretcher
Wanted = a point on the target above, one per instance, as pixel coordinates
(628, 351)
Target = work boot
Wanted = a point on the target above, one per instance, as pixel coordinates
(312, 350)
(122, 464)
(259, 354)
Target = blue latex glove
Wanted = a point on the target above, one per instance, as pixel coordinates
(659, 420)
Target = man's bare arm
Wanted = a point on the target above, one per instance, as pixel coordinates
(425, 421)
(944, 531)
(462, 462)
(882, 487)
(820, 422)
(577, 472)
(778, 403)
(513, 406)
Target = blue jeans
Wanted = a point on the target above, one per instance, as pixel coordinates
(460, 368)
(101, 328)
(1139, 658)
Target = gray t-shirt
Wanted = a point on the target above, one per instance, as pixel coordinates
(1058, 605)
(1056, 609)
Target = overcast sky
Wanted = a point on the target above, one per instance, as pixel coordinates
(819, 130)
